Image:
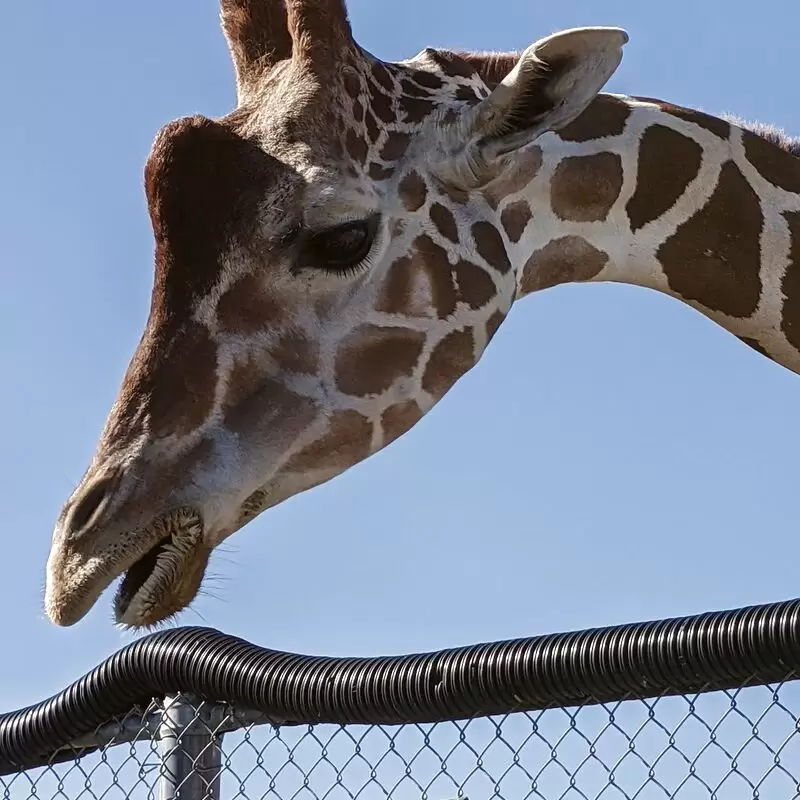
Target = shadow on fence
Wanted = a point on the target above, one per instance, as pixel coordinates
(704, 706)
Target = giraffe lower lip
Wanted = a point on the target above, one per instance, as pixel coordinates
(137, 576)
(150, 588)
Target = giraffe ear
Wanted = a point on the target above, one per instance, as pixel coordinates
(553, 81)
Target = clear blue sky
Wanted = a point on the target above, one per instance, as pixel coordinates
(614, 457)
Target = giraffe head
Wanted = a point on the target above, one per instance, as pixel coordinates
(328, 262)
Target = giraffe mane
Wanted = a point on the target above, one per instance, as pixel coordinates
(772, 133)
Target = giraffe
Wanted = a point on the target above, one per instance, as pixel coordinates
(334, 254)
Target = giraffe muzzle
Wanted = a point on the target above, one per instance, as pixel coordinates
(167, 576)
(161, 568)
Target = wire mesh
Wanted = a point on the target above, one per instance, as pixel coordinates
(722, 745)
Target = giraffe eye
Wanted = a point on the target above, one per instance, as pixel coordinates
(342, 249)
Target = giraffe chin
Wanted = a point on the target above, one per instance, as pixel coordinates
(166, 578)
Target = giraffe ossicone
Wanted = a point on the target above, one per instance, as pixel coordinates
(333, 255)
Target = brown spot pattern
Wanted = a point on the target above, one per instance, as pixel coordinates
(413, 191)
(450, 359)
(373, 130)
(790, 324)
(352, 82)
(427, 79)
(604, 116)
(490, 246)
(493, 324)
(776, 165)
(247, 307)
(242, 381)
(415, 108)
(668, 163)
(381, 104)
(445, 222)
(180, 381)
(396, 295)
(398, 419)
(475, 286)
(714, 257)
(295, 352)
(356, 146)
(380, 173)
(412, 89)
(382, 76)
(584, 188)
(564, 260)
(444, 285)
(371, 359)
(396, 144)
(515, 219)
(466, 94)
(346, 442)
(262, 408)
(432, 259)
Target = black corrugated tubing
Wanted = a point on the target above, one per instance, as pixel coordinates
(719, 650)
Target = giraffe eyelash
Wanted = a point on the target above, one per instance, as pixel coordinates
(343, 249)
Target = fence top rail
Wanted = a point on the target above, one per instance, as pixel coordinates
(711, 651)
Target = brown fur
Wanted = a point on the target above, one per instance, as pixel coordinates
(713, 256)
(204, 183)
(491, 66)
(668, 163)
(257, 34)
(319, 29)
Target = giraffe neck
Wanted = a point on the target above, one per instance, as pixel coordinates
(650, 194)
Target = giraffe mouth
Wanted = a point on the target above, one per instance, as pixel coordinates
(167, 576)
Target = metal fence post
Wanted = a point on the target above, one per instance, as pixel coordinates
(191, 754)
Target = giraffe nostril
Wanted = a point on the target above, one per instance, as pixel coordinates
(89, 505)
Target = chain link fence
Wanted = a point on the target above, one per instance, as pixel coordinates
(735, 743)
(730, 745)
